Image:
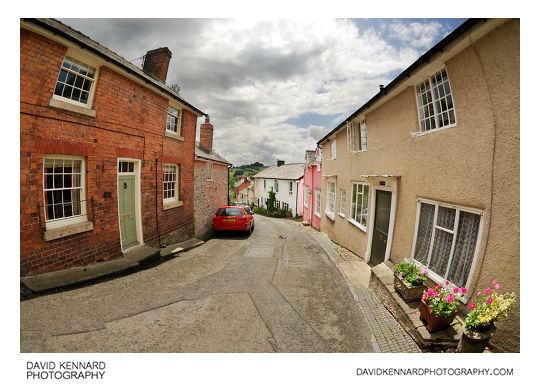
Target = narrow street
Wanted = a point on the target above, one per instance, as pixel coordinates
(275, 291)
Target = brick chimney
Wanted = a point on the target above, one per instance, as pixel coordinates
(156, 63)
(280, 163)
(207, 134)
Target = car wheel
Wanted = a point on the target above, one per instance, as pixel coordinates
(253, 226)
(250, 229)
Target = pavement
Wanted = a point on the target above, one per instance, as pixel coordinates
(274, 291)
(387, 334)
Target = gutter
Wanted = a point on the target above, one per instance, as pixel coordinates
(107, 58)
(437, 48)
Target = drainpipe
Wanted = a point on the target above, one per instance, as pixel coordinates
(157, 221)
(296, 204)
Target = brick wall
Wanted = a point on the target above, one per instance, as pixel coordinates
(215, 194)
(130, 122)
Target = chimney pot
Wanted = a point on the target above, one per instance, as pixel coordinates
(206, 137)
(156, 63)
(381, 87)
(280, 163)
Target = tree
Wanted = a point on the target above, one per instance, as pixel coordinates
(238, 172)
(271, 200)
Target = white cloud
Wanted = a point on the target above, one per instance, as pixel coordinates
(250, 75)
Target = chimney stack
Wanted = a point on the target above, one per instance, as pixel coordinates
(156, 63)
(280, 163)
(207, 134)
(381, 87)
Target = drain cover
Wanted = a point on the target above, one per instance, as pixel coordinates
(297, 261)
(259, 252)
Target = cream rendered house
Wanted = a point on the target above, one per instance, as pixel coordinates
(429, 167)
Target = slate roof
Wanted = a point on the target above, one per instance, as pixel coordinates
(285, 172)
(201, 152)
(69, 33)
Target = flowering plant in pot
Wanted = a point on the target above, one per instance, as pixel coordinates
(409, 280)
(488, 307)
(439, 305)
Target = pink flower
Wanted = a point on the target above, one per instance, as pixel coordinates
(424, 272)
(400, 275)
(490, 300)
(456, 290)
(497, 286)
(479, 293)
(447, 282)
(471, 306)
(438, 286)
(463, 290)
(449, 298)
(488, 291)
(493, 281)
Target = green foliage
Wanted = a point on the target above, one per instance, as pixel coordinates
(271, 200)
(443, 301)
(410, 273)
(489, 307)
(238, 172)
(280, 213)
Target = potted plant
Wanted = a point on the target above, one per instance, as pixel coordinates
(439, 306)
(488, 307)
(409, 280)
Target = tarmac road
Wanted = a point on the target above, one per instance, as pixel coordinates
(274, 291)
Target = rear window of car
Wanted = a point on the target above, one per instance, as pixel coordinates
(230, 212)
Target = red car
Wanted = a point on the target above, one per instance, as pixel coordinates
(234, 218)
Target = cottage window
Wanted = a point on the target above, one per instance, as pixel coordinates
(170, 183)
(276, 185)
(333, 149)
(75, 82)
(359, 204)
(173, 120)
(357, 136)
(208, 171)
(435, 102)
(446, 240)
(317, 209)
(306, 194)
(290, 188)
(331, 199)
(64, 190)
(342, 198)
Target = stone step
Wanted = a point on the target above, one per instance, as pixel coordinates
(180, 247)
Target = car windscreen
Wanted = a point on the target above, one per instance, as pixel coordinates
(229, 212)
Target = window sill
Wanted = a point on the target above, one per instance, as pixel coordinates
(358, 225)
(421, 133)
(330, 215)
(178, 137)
(68, 230)
(342, 215)
(174, 204)
(357, 151)
(317, 214)
(59, 104)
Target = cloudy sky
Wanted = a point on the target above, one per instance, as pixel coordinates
(273, 87)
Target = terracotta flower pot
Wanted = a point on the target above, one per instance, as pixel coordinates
(435, 322)
(409, 294)
(474, 341)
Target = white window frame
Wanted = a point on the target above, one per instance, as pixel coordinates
(71, 220)
(434, 276)
(430, 94)
(333, 149)
(317, 202)
(177, 119)
(82, 59)
(342, 202)
(291, 188)
(357, 136)
(176, 196)
(352, 216)
(276, 186)
(209, 171)
(330, 209)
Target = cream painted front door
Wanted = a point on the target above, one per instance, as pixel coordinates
(126, 209)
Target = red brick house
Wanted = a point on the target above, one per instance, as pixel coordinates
(242, 183)
(211, 173)
(107, 151)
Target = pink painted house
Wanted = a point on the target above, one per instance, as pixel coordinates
(312, 188)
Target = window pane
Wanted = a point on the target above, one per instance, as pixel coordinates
(84, 97)
(446, 217)
(440, 255)
(467, 235)
(76, 94)
(425, 228)
(79, 82)
(70, 79)
(67, 92)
